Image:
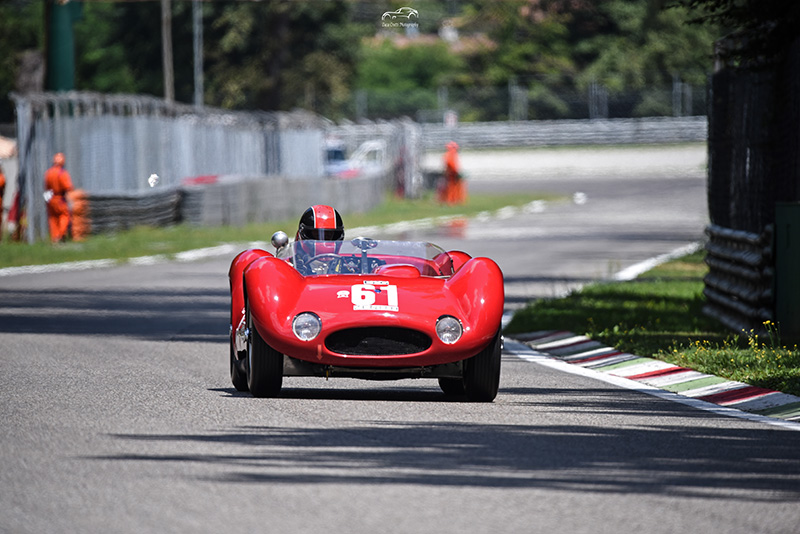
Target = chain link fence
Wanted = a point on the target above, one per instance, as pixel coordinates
(518, 102)
(113, 143)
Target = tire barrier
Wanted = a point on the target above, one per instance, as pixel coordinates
(232, 201)
(739, 284)
(121, 211)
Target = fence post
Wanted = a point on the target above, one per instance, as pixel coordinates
(787, 269)
(598, 101)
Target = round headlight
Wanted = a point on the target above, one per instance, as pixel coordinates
(306, 326)
(448, 329)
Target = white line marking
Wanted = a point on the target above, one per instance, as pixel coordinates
(635, 270)
(57, 267)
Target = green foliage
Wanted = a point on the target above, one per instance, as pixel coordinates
(102, 63)
(425, 65)
(647, 47)
(759, 30)
(747, 357)
(402, 80)
(281, 55)
(305, 53)
(21, 31)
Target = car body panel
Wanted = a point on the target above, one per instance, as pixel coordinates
(404, 292)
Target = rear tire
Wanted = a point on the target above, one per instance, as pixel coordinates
(265, 374)
(482, 372)
(238, 378)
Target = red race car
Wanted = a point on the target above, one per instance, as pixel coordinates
(365, 309)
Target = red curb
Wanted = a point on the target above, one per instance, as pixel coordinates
(749, 392)
(660, 372)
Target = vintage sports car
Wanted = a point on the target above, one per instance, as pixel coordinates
(365, 309)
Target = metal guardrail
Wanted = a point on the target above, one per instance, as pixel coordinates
(567, 132)
(739, 284)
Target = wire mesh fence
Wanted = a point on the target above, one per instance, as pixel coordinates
(114, 143)
(517, 102)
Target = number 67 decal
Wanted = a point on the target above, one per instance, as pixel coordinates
(374, 297)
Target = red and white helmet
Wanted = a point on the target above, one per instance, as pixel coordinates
(322, 223)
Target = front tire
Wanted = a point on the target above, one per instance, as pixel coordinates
(452, 387)
(482, 372)
(265, 374)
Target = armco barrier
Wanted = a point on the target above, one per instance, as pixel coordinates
(234, 201)
(648, 130)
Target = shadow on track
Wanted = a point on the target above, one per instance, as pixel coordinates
(680, 460)
(158, 314)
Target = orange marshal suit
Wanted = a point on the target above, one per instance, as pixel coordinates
(58, 180)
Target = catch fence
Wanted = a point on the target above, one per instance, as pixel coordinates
(113, 143)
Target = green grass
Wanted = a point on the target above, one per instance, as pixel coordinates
(146, 241)
(659, 315)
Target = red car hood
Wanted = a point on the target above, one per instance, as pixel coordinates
(396, 298)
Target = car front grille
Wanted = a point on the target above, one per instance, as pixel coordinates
(377, 341)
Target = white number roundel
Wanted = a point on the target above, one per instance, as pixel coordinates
(374, 296)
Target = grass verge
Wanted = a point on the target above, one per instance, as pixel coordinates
(147, 241)
(659, 315)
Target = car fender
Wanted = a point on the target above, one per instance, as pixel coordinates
(459, 258)
(238, 265)
(272, 288)
(478, 287)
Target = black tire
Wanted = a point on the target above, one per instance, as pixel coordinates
(265, 373)
(452, 387)
(238, 378)
(482, 372)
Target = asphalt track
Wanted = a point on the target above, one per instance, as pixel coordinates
(119, 415)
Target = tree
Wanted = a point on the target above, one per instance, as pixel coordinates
(648, 46)
(283, 54)
(759, 30)
(22, 42)
(403, 77)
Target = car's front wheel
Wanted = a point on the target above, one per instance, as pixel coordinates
(452, 387)
(482, 372)
(265, 373)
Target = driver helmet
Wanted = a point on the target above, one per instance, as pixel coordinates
(320, 223)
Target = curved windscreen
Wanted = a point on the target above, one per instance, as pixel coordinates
(365, 256)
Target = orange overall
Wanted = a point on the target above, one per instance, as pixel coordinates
(57, 180)
(453, 191)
